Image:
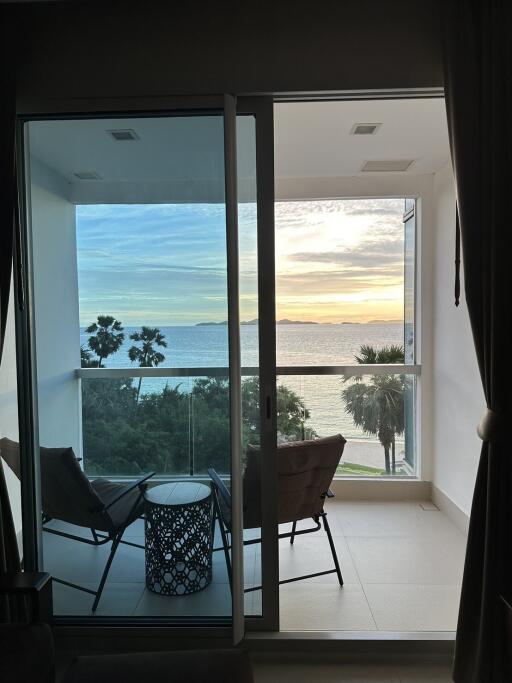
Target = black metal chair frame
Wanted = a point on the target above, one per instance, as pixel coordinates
(221, 490)
(102, 539)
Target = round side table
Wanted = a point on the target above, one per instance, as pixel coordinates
(179, 538)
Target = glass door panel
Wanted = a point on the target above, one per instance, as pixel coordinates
(130, 285)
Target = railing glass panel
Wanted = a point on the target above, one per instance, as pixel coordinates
(179, 425)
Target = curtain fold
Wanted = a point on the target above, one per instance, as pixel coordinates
(9, 556)
(478, 87)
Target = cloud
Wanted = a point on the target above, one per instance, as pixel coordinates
(337, 283)
(364, 259)
(374, 207)
(167, 263)
(295, 214)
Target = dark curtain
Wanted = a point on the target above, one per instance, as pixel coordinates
(9, 557)
(478, 81)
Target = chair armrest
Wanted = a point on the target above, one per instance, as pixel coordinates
(221, 487)
(139, 483)
(37, 586)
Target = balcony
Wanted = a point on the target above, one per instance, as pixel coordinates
(398, 575)
(392, 554)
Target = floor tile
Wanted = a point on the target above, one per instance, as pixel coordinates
(324, 607)
(215, 600)
(402, 566)
(220, 574)
(378, 519)
(311, 553)
(118, 599)
(423, 560)
(406, 607)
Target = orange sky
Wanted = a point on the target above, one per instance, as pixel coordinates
(340, 260)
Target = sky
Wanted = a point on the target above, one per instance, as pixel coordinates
(163, 264)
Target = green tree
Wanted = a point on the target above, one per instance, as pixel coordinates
(172, 423)
(86, 360)
(292, 414)
(107, 337)
(394, 353)
(146, 354)
(378, 405)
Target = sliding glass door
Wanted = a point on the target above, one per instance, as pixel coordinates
(148, 263)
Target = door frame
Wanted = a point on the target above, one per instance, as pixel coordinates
(262, 109)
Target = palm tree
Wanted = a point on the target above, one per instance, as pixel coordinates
(394, 353)
(378, 406)
(86, 360)
(146, 355)
(108, 337)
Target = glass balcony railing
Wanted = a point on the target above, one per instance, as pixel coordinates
(375, 413)
(176, 421)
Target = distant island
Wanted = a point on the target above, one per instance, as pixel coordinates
(285, 321)
(224, 322)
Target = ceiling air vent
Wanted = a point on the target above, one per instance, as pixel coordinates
(87, 175)
(365, 128)
(386, 165)
(123, 134)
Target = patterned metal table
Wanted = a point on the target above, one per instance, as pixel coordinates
(179, 538)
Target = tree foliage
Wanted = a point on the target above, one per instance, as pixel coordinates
(86, 359)
(377, 406)
(106, 337)
(178, 430)
(146, 354)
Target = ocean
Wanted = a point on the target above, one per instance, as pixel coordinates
(301, 344)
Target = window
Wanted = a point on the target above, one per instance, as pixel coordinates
(345, 299)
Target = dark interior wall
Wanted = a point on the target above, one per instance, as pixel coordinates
(151, 48)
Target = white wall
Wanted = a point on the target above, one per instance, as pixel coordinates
(57, 332)
(457, 397)
(9, 410)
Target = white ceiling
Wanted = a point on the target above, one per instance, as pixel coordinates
(181, 158)
(313, 140)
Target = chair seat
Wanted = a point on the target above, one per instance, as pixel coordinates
(126, 510)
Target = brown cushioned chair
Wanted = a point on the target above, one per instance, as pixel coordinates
(68, 495)
(305, 472)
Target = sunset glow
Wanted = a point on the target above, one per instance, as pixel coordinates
(336, 261)
(340, 260)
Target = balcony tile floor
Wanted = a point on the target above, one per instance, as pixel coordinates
(402, 567)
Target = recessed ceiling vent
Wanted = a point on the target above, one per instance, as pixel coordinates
(123, 134)
(87, 175)
(365, 128)
(386, 165)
